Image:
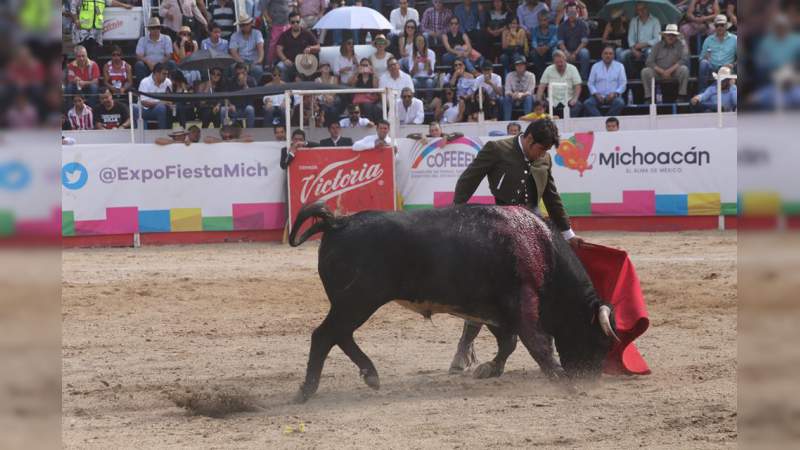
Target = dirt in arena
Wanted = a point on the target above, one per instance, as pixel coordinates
(156, 340)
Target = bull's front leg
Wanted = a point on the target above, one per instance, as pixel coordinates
(533, 337)
(506, 343)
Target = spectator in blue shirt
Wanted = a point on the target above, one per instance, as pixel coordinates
(707, 101)
(573, 37)
(528, 14)
(214, 41)
(779, 48)
(718, 50)
(544, 39)
(607, 83)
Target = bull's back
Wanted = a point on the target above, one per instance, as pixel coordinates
(462, 256)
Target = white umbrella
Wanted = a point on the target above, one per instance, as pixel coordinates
(353, 18)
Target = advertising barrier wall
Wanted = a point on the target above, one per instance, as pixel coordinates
(129, 188)
(635, 173)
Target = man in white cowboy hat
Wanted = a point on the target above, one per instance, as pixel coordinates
(293, 42)
(668, 60)
(707, 100)
(306, 65)
(152, 49)
(644, 32)
(247, 46)
(719, 50)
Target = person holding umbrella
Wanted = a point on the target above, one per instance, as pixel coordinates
(644, 32)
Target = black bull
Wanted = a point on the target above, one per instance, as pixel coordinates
(502, 266)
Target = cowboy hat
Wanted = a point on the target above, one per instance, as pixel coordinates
(723, 72)
(244, 19)
(671, 29)
(153, 22)
(380, 39)
(306, 64)
(185, 29)
(722, 19)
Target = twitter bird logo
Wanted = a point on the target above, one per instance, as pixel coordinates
(74, 175)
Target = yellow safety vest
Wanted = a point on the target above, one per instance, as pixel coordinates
(91, 14)
(36, 15)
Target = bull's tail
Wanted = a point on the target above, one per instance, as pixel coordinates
(328, 221)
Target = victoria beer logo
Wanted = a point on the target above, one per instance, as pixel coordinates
(345, 180)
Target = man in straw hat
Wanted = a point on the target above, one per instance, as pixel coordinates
(643, 34)
(668, 60)
(293, 42)
(719, 50)
(707, 100)
(247, 46)
(152, 49)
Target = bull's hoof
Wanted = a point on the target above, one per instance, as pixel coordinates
(489, 369)
(373, 381)
(462, 361)
(303, 394)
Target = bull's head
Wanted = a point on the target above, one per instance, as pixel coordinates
(584, 346)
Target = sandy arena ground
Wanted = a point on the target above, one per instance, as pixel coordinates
(147, 329)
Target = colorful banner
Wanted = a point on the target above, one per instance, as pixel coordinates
(633, 173)
(146, 188)
(345, 180)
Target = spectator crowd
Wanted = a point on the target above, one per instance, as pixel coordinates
(448, 60)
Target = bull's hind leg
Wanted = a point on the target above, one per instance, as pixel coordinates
(365, 366)
(465, 352)
(337, 329)
(506, 343)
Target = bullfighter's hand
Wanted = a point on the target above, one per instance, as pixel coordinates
(576, 242)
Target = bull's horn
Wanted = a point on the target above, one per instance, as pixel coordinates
(604, 317)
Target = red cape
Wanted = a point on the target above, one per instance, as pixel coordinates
(615, 280)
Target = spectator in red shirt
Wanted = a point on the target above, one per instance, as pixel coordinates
(26, 73)
(434, 22)
(83, 75)
(80, 116)
(117, 74)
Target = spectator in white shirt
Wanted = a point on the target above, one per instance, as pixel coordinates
(377, 141)
(155, 109)
(410, 110)
(607, 83)
(520, 86)
(354, 119)
(394, 78)
(399, 16)
(492, 86)
(345, 64)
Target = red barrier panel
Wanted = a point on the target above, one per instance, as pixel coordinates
(345, 180)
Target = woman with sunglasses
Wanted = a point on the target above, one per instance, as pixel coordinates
(405, 43)
(117, 73)
(345, 64)
(422, 62)
(381, 57)
(451, 110)
(182, 48)
(458, 45)
(209, 111)
(366, 79)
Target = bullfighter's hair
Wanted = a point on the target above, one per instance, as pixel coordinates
(544, 132)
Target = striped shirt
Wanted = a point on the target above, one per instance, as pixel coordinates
(224, 17)
(83, 120)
